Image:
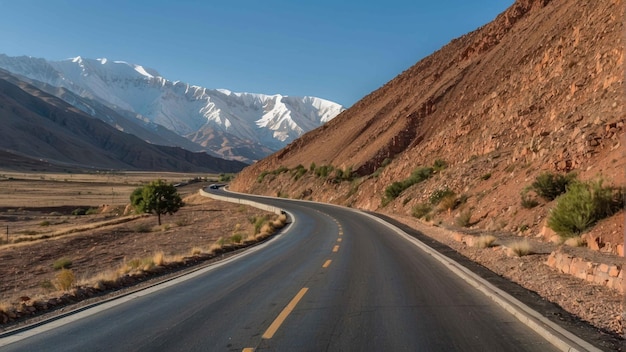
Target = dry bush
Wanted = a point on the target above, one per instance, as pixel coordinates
(98, 282)
(64, 280)
(159, 258)
(448, 202)
(575, 242)
(520, 248)
(136, 265)
(196, 251)
(215, 247)
(464, 218)
(485, 241)
(267, 228)
(5, 307)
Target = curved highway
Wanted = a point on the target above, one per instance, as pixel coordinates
(335, 280)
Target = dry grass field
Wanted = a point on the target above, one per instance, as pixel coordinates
(45, 233)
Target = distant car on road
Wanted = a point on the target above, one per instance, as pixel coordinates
(214, 186)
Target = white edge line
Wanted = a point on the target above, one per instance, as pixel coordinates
(27, 333)
(531, 318)
(547, 329)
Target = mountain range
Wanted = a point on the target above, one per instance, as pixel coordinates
(138, 100)
(40, 132)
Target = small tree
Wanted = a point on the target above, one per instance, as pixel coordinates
(157, 197)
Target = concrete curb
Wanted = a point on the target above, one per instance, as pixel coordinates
(257, 205)
(556, 335)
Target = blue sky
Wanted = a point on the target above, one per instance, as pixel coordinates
(337, 50)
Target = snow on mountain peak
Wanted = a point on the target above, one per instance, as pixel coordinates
(190, 111)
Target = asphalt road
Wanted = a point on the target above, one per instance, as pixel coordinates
(335, 280)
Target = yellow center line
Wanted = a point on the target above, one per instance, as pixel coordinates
(335, 248)
(340, 233)
(339, 239)
(327, 263)
(248, 349)
(269, 333)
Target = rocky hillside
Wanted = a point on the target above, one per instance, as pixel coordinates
(539, 89)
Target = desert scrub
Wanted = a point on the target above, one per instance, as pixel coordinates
(418, 175)
(223, 177)
(464, 218)
(92, 211)
(582, 206)
(62, 263)
(485, 241)
(236, 238)
(158, 258)
(549, 186)
(137, 264)
(323, 170)
(79, 211)
(64, 280)
(195, 251)
(526, 200)
(44, 223)
(440, 164)
(575, 242)
(258, 222)
(439, 194)
(520, 248)
(422, 211)
(298, 172)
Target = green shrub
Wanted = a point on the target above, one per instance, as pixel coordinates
(421, 174)
(312, 167)
(549, 186)
(44, 223)
(298, 172)
(396, 188)
(393, 190)
(421, 210)
(236, 238)
(225, 177)
(261, 177)
(79, 211)
(323, 170)
(528, 201)
(92, 211)
(485, 177)
(280, 170)
(439, 165)
(440, 194)
(258, 222)
(62, 263)
(582, 206)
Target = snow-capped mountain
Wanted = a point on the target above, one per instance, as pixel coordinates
(242, 126)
